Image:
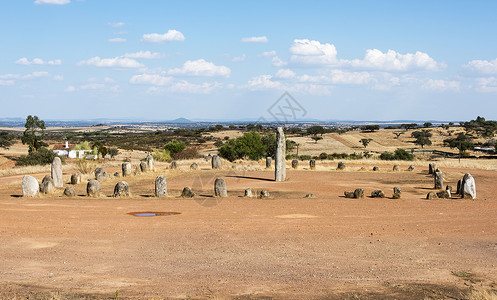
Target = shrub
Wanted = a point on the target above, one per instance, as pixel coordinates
(43, 156)
(401, 154)
(187, 153)
(387, 156)
(175, 146)
(86, 166)
(163, 155)
(323, 155)
(113, 152)
(250, 146)
(218, 143)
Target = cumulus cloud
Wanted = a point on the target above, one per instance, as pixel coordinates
(441, 85)
(144, 54)
(267, 54)
(310, 52)
(116, 62)
(170, 35)
(277, 62)
(264, 82)
(150, 79)
(117, 40)
(184, 86)
(201, 67)
(285, 73)
(57, 2)
(393, 61)
(482, 66)
(255, 39)
(37, 61)
(94, 85)
(239, 58)
(117, 24)
(487, 84)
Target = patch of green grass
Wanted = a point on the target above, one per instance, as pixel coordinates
(471, 277)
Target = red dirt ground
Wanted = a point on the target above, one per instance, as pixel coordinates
(283, 247)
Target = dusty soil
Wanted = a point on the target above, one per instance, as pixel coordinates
(283, 247)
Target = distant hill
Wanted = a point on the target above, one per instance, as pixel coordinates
(181, 121)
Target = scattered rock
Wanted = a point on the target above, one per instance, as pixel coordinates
(47, 185)
(194, 166)
(295, 164)
(362, 169)
(439, 180)
(150, 162)
(100, 174)
(269, 162)
(126, 167)
(93, 188)
(69, 191)
(309, 195)
(280, 157)
(397, 192)
(160, 186)
(359, 193)
(312, 164)
(458, 189)
(143, 167)
(174, 165)
(432, 195)
(30, 186)
(220, 188)
(468, 186)
(377, 194)
(448, 188)
(445, 194)
(396, 168)
(121, 189)
(216, 162)
(432, 167)
(376, 168)
(76, 178)
(264, 194)
(187, 192)
(248, 193)
(56, 172)
(411, 168)
(117, 175)
(349, 194)
(341, 166)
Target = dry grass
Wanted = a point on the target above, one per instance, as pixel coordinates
(25, 170)
(482, 294)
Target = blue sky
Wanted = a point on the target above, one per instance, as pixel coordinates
(160, 60)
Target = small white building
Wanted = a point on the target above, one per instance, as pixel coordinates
(69, 151)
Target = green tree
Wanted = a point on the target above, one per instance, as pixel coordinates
(422, 137)
(316, 138)
(462, 142)
(113, 152)
(315, 130)
(398, 134)
(365, 142)
(481, 127)
(6, 139)
(409, 126)
(248, 146)
(371, 128)
(34, 133)
(175, 146)
(427, 124)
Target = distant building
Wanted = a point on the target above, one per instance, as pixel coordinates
(69, 151)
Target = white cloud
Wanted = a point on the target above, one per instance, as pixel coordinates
(116, 62)
(285, 73)
(6, 82)
(170, 35)
(277, 62)
(191, 88)
(344, 77)
(58, 2)
(117, 24)
(144, 54)
(487, 84)
(37, 61)
(70, 89)
(393, 61)
(92, 86)
(264, 82)
(117, 40)
(482, 66)
(267, 54)
(239, 58)
(58, 77)
(32, 75)
(310, 52)
(255, 39)
(151, 79)
(441, 85)
(201, 67)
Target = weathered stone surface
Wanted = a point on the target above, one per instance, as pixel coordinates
(468, 186)
(445, 194)
(174, 165)
(312, 164)
(30, 186)
(121, 189)
(126, 168)
(432, 167)
(47, 185)
(376, 168)
(439, 180)
(150, 162)
(377, 194)
(216, 162)
(117, 175)
(341, 166)
(269, 162)
(348, 194)
(264, 194)
(458, 189)
(449, 188)
(309, 195)
(56, 172)
(397, 193)
(143, 166)
(359, 193)
(100, 174)
(411, 168)
(248, 193)
(76, 178)
(69, 191)
(187, 192)
(432, 195)
(194, 166)
(220, 188)
(295, 164)
(160, 186)
(396, 168)
(93, 188)
(280, 158)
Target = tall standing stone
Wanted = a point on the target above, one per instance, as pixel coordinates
(174, 165)
(93, 188)
(468, 186)
(121, 189)
(439, 180)
(458, 189)
(397, 192)
(220, 188)
(160, 186)
(150, 162)
(126, 167)
(47, 185)
(280, 159)
(56, 171)
(269, 162)
(295, 164)
(30, 186)
(143, 166)
(432, 168)
(216, 162)
(100, 174)
(341, 166)
(76, 178)
(312, 164)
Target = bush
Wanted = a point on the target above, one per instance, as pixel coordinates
(323, 155)
(250, 146)
(188, 153)
(387, 156)
(218, 143)
(400, 154)
(43, 156)
(163, 155)
(175, 146)
(86, 166)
